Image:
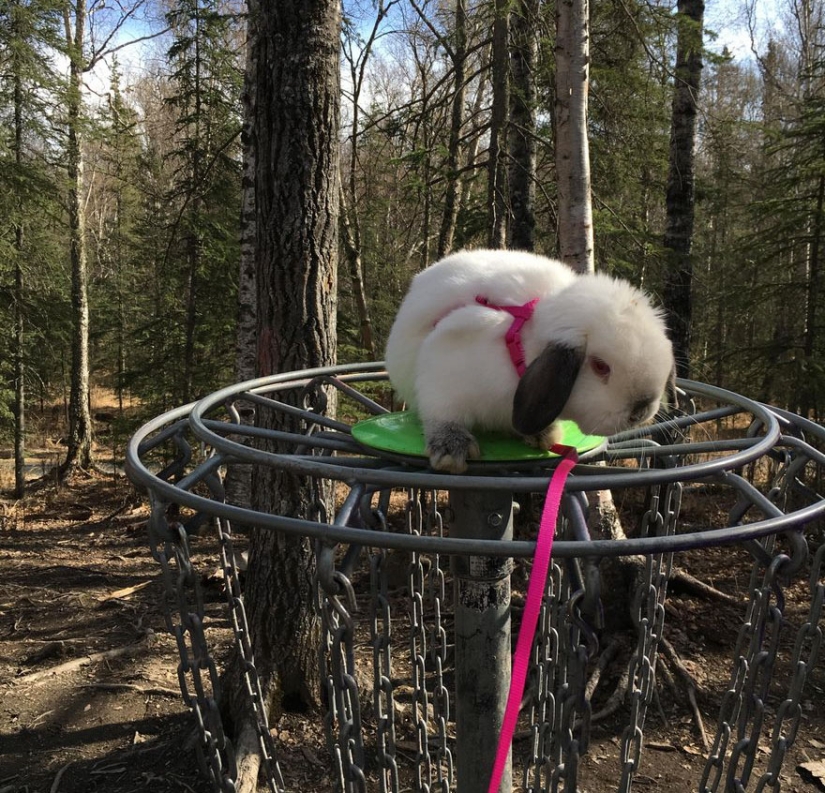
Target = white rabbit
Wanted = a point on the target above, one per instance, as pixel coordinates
(596, 351)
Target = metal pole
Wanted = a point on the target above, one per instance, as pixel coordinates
(482, 637)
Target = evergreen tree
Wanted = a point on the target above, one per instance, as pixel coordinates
(207, 81)
(28, 31)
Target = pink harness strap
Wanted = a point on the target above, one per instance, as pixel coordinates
(520, 315)
(535, 593)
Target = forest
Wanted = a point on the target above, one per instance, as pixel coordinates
(124, 227)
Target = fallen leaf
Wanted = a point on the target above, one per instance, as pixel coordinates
(122, 593)
(813, 772)
(660, 747)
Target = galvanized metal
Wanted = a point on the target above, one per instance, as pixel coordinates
(456, 647)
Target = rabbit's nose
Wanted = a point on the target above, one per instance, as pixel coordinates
(641, 409)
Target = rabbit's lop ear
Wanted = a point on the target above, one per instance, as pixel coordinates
(671, 393)
(545, 387)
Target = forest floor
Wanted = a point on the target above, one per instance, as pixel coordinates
(89, 697)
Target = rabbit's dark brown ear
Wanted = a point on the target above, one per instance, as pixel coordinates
(671, 394)
(545, 387)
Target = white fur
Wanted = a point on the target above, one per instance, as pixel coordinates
(447, 358)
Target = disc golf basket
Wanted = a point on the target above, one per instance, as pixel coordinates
(415, 666)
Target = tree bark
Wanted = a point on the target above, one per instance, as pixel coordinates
(79, 453)
(355, 268)
(238, 482)
(496, 166)
(19, 314)
(678, 239)
(572, 147)
(296, 207)
(452, 195)
(522, 137)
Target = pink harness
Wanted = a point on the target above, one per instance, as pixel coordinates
(520, 315)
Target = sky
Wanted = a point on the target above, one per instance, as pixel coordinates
(728, 20)
(725, 17)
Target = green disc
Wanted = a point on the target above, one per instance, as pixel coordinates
(402, 433)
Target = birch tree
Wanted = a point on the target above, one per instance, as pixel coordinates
(84, 51)
(572, 146)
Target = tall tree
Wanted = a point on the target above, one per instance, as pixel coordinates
(297, 100)
(680, 200)
(572, 145)
(452, 197)
(26, 30)
(79, 453)
(522, 137)
(497, 150)
(84, 52)
(206, 82)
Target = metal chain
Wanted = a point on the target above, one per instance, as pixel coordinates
(745, 698)
(573, 709)
(343, 721)
(546, 669)
(184, 614)
(559, 711)
(438, 651)
(243, 644)
(805, 655)
(383, 702)
(649, 616)
(418, 647)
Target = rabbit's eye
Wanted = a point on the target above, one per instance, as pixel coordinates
(600, 368)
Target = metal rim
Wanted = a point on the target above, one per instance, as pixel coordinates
(386, 474)
(583, 479)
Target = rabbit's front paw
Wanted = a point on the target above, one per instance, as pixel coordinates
(546, 439)
(450, 445)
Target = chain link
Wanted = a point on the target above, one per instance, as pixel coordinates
(383, 701)
(184, 615)
(805, 654)
(437, 596)
(243, 643)
(649, 615)
(744, 700)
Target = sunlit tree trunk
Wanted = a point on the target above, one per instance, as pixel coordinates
(572, 148)
(496, 156)
(79, 453)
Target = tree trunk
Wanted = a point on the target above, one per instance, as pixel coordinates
(572, 148)
(678, 237)
(194, 241)
(355, 268)
(810, 396)
(496, 170)
(296, 203)
(79, 454)
(524, 22)
(452, 195)
(19, 314)
(238, 483)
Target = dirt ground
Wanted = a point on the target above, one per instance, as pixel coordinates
(89, 699)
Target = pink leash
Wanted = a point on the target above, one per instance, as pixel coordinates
(535, 593)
